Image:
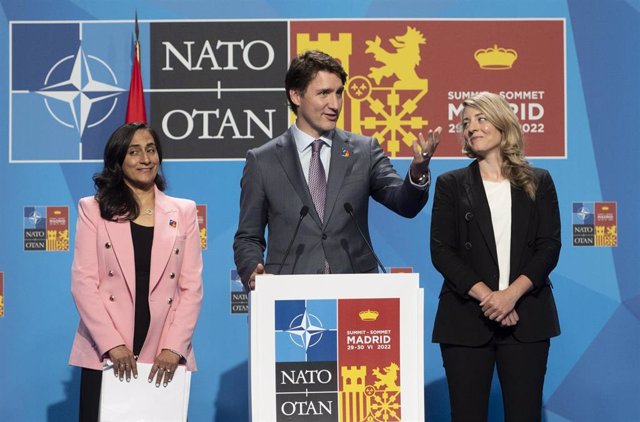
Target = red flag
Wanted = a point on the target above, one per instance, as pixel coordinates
(136, 111)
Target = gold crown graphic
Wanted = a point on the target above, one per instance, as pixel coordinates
(57, 212)
(495, 58)
(369, 315)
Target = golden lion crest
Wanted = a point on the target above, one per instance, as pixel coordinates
(387, 378)
(402, 63)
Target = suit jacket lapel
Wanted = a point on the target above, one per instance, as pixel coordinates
(287, 153)
(480, 207)
(341, 161)
(520, 217)
(166, 226)
(120, 238)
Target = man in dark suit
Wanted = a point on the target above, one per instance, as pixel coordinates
(313, 183)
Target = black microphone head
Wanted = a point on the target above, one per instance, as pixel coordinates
(304, 210)
(348, 208)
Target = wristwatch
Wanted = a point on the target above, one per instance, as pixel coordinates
(423, 179)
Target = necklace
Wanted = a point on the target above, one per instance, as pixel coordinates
(148, 211)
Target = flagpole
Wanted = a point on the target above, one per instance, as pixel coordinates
(137, 32)
(136, 110)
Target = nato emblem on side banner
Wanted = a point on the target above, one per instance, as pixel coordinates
(594, 224)
(46, 228)
(239, 298)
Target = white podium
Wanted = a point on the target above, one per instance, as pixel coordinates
(337, 347)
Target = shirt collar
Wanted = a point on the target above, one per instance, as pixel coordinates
(303, 140)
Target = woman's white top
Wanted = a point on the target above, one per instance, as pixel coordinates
(499, 198)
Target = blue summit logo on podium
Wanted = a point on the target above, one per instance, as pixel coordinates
(305, 331)
(306, 360)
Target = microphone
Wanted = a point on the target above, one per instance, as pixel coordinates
(303, 213)
(349, 209)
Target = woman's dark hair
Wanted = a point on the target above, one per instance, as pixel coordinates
(115, 198)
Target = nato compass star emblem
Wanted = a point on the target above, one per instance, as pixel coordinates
(79, 90)
(583, 213)
(305, 330)
(34, 218)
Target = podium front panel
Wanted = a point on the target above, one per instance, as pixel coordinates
(337, 348)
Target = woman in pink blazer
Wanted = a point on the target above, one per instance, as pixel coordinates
(137, 270)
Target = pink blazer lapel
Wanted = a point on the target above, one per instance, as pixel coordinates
(166, 226)
(120, 237)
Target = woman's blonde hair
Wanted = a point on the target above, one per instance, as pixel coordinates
(498, 112)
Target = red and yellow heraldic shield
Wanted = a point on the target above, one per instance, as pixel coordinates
(369, 360)
(606, 224)
(1, 294)
(202, 224)
(57, 228)
(407, 76)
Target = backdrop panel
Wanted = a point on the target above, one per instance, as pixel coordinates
(213, 76)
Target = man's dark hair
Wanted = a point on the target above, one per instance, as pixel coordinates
(304, 67)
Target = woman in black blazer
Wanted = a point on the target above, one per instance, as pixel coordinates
(495, 237)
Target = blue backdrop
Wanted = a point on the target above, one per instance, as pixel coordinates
(594, 369)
